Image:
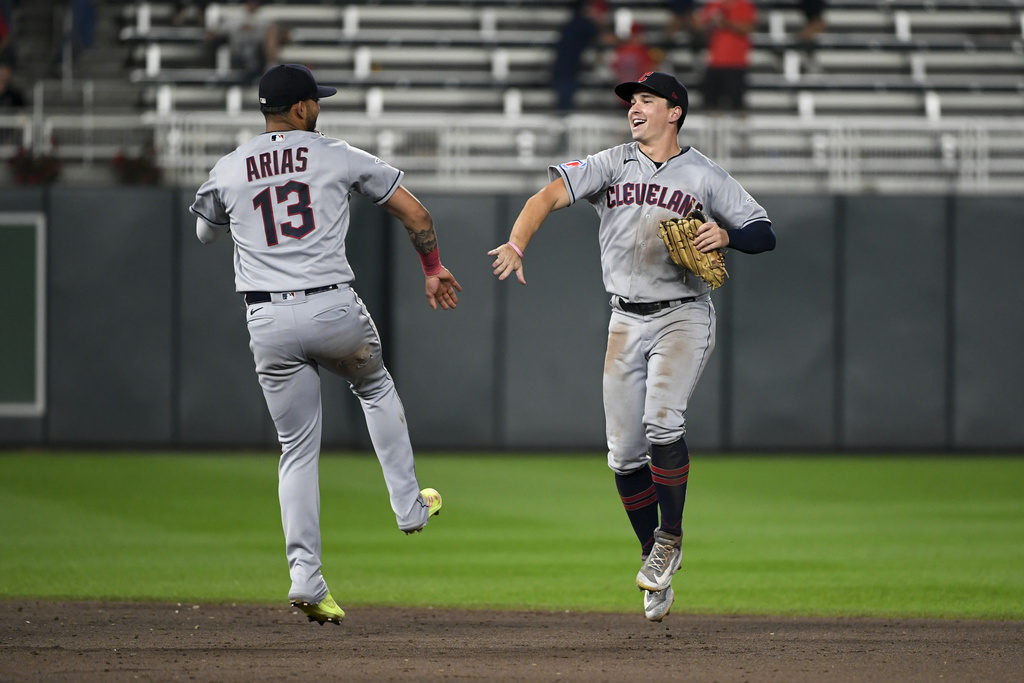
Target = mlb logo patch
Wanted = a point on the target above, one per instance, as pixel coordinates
(277, 137)
(287, 296)
(576, 163)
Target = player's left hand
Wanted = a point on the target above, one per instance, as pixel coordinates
(711, 237)
(441, 289)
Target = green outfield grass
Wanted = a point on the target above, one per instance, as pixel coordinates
(883, 536)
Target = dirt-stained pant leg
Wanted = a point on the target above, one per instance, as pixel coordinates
(625, 378)
(651, 369)
(681, 342)
(289, 341)
(350, 347)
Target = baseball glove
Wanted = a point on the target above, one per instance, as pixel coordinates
(678, 235)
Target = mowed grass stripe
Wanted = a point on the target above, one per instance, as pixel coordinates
(883, 536)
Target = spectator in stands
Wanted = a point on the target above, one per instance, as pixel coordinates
(633, 57)
(814, 13)
(7, 51)
(728, 25)
(189, 11)
(83, 24)
(586, 26)
(81, 36)
(10, 96)
(254, 40)
(682, 17)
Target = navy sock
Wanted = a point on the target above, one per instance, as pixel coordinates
(640, 499)
(670, 468)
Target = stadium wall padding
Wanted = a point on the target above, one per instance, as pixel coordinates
(879, 323)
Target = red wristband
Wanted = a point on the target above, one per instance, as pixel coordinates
(431, 262)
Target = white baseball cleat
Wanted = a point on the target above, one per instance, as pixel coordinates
(662, 563)
(658, 603)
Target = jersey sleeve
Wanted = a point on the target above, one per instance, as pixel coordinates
(732, 207)
(371, 177)
(584, 178)
(208, 204)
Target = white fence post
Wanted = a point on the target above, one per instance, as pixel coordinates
(362, 61)
(152, 60)
(499, 65)
(488, 23)
(233, 100)
(350, 22)
(143, 17)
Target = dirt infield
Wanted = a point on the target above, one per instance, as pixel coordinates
(90, 641)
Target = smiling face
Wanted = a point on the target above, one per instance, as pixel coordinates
(652, 118)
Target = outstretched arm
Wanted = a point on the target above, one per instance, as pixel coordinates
(441, 286)
(508, 257)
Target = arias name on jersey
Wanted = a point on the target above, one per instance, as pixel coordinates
(271, 163)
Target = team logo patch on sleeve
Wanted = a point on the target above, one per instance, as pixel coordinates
(575, 163)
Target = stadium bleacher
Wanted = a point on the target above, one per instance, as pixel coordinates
(955, 56)
(935, 87)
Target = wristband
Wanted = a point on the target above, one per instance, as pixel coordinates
(431, 262)
(515, 249)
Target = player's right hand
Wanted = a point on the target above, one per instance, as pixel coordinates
(506, 260)
(711, 236)
(441, 289)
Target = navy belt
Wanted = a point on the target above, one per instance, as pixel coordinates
(653, 306)
(263, 297)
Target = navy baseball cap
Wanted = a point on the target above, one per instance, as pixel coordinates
(661, 84)
(286, 84)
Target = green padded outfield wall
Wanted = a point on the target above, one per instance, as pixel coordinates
(880, 323)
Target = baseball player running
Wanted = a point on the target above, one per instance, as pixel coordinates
(284, 198)
(662, 327)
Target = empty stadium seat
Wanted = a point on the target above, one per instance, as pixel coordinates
(876, 56)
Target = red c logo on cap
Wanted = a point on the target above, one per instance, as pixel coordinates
(644, 77)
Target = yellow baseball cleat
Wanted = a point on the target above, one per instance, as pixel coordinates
(326, 610)
(433, 499)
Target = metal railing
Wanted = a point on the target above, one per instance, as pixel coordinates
(778, 154)
(495, 153)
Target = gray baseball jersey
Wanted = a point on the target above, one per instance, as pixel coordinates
(285, 198)
(632, 195)
(654, 359)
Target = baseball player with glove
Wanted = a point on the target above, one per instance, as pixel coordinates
(666, 213)
(284, 198)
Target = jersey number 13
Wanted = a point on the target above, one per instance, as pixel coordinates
(299, 207)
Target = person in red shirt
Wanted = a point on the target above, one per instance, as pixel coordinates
(728, 25)
(633, 57)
